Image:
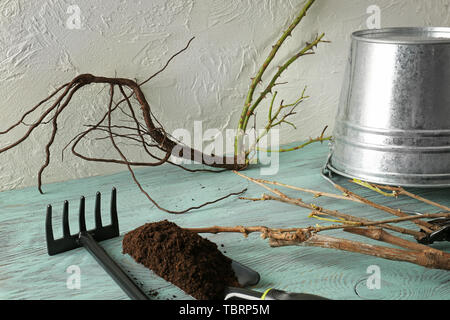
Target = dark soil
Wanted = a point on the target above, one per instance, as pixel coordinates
(182, 257)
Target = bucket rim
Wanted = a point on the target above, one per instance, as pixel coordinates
(387, 182)
(404, 35)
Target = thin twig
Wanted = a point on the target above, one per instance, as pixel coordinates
(351, 196)
(334, 213)
(430, 258)
(427, 227)
(401, 191)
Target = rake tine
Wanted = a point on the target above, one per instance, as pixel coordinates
(89, 240)
(98, 213)
(48, 225)
(82, 218)
(114, 219)
(65, 222)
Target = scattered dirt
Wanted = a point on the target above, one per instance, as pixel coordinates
(153, 293)
(182, 257)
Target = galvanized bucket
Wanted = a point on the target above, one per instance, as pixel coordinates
(393, 121)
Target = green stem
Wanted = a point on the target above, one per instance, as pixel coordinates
(272, 119)
(257, 79)
(306, 50)
(271, 106)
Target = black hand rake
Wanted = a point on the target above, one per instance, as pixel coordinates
(89, 238)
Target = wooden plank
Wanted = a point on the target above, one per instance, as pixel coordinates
(27, 272)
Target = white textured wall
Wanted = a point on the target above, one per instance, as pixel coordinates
(209, 82)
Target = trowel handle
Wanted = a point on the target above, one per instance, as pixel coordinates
(270, 294)
(274, 294)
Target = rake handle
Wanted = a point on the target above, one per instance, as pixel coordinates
(111, 267)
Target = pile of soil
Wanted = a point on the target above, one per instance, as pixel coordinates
(182, 257)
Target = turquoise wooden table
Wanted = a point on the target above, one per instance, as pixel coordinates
(27, 272)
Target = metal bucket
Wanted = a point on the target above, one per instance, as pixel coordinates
(393, 121)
